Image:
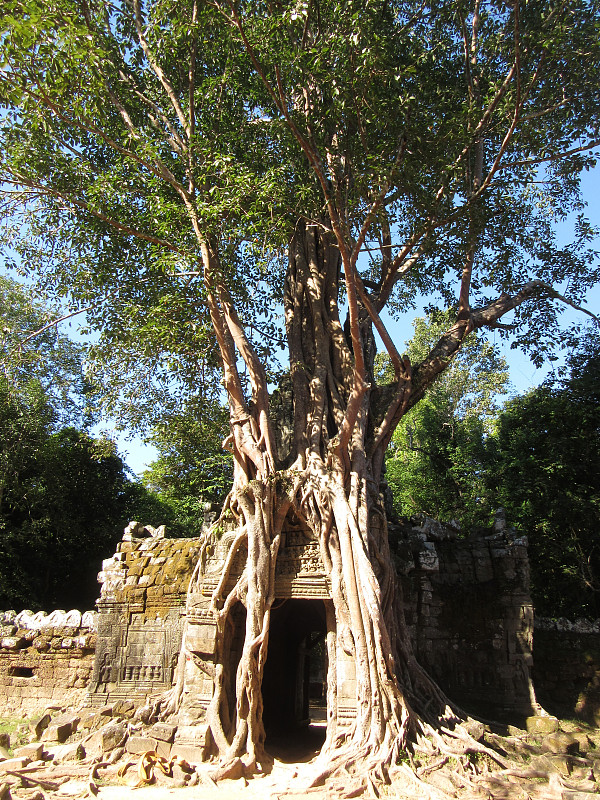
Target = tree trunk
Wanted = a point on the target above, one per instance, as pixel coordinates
(329, 477)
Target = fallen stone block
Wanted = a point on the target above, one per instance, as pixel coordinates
(124, 708)
(141, 744)
(145, 714)
(57, 733)
(71, 719)
(541, 725)
(584, 741)
(146, 744)
(13, 764)
(32, 751)
(92, 721)
(107, 738)
(5, 739)
(560, 743)
(194, 754)
(164, 732)
(73, 751)
(192, 734)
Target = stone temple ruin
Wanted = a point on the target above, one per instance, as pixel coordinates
(467, 609)
(87, 681)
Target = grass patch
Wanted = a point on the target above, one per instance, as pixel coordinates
(17, 729)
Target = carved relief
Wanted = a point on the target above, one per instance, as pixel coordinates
(300, 560)
(142, 658)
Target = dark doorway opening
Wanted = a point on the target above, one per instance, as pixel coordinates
(295, 679)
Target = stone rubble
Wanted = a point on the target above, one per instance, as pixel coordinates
(116, 747)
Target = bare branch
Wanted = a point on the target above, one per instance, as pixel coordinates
(56, 322)
(450, 342)
(368, 221)
(166, 84)
(556, 157)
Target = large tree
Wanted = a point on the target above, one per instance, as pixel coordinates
(36, 358)
(543, 467)
(184, 170)
(64, 496)
(436, 461)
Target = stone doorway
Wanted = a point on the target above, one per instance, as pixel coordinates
(295, 677)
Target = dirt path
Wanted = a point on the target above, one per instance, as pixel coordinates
(278, 782)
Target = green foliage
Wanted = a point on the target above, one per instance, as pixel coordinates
(65, 497)
(192, 469)
(451, 135)
(122, 137)
(35, 358)
(64, 501)
(456, 456)
(436, 460)
(544, 468)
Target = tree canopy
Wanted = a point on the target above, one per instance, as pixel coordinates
(443, 141)
(35, 356)
(191, 470)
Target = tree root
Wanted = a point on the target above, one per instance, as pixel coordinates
(233, 770)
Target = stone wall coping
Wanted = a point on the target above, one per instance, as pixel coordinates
(564, 625)
(40, 620)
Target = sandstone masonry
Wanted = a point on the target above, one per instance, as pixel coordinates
(45, 659)
(466, 604)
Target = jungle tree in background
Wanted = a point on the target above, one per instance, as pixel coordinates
(181, 169)
(436, 463)
(65, 496)
(191, 471)
(36, 358)
(543, 467)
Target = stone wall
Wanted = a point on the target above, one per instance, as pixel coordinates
(45, 659)
(469, 613)
(566, 669)
(467, 608)
(466, 603)
(140, 614)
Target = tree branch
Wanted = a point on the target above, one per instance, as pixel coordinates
(158, 169)
(166, 84)
(556, 157)
(44, 191)
(56, 322)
